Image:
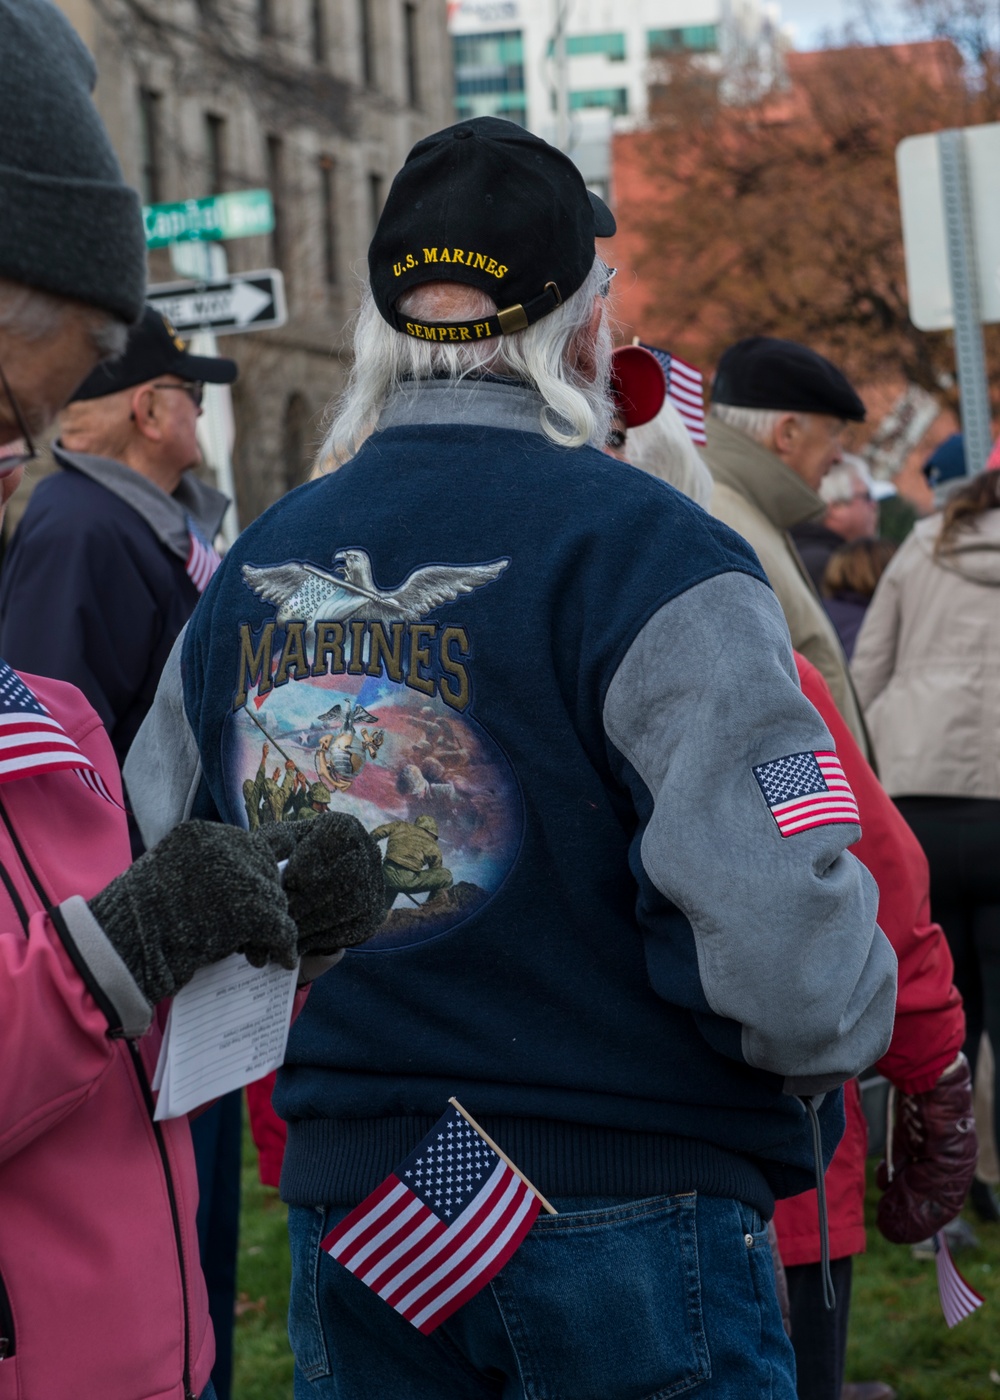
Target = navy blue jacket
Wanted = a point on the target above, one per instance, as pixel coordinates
(544, 680)
(94, 588)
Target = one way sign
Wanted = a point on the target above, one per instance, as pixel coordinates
(245, 301)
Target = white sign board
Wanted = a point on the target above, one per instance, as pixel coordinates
(918, 164)
(243, 301)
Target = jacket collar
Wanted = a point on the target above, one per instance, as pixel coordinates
(167, 516)
(484, 402)
(735, 460)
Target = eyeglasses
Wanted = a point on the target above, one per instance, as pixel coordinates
(194, 390)
(862, 496)
(12, 460)
(610, 273)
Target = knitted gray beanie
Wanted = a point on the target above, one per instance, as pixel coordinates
(68, 222)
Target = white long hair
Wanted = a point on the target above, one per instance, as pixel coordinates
(576, 408)
(663, 447)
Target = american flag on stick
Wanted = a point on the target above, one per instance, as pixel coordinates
(437, 1230)
(685, 390)
(804, 790)
(202, 560)
(958, 1299)
(32, 742)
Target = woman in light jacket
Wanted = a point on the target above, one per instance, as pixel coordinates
(927, 669)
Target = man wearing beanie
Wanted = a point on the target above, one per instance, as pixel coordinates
(100, 1289)
(776, 426)
(482, 625)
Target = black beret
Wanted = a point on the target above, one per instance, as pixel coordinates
(764, 372)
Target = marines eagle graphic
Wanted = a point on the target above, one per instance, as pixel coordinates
(303, 592)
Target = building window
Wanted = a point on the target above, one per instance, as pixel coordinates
(317, 31)
(612, 46)
(276, 184)
(374, 198)
(489, 75)
(328, 206)
(693, 38)
(615, 98)
(150, 142)
(215, 152)
(410, 33)
(367, 42)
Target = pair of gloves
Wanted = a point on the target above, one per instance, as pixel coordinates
(932, 1151)
(208, 890)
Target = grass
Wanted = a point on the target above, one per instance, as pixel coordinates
(897, 1331)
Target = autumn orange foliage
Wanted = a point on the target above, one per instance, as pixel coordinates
(780, 215)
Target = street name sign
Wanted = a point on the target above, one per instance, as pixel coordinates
(244, 301)
(239, 214)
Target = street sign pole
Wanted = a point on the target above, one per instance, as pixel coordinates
(215, 426)
(969, 351)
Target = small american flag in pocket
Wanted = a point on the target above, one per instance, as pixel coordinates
(808, 789)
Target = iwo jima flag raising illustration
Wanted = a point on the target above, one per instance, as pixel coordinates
(441, 1225)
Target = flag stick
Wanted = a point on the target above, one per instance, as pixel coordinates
(500, 1153)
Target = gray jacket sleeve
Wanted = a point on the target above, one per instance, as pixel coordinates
(163, 769)
(783, 926)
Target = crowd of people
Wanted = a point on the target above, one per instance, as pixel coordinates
(638, 797)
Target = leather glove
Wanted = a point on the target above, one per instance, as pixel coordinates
(934, 1152)
(205, 891)
(333, 880)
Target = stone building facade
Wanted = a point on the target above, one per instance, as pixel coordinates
(318, 101)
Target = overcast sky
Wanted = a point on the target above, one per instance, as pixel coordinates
(816, 21)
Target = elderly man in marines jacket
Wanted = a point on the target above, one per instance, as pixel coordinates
(656, 943)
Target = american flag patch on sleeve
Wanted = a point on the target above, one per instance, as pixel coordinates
(804, 790)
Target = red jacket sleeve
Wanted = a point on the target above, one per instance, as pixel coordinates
(930, 1023)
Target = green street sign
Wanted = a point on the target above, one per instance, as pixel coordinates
(240, 214)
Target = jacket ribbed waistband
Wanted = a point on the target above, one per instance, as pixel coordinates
(337, 1162)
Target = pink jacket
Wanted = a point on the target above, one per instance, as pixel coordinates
(101, 1293)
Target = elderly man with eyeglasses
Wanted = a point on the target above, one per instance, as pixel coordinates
(131, 526)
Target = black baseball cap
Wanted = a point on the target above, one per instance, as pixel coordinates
(765, 372)
(154, 348)
(491, 205)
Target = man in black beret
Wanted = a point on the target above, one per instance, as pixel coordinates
(777, 423)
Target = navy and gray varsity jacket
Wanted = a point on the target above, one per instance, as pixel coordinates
(563, 699)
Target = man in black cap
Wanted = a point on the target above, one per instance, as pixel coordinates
(605, 677)
(777, 424)
(131, 526)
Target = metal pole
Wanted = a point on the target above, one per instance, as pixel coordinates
(969, 353)
(561, 9)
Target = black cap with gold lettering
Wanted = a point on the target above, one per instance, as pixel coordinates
(491, 205)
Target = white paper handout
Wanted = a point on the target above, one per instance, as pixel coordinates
(226, 1028)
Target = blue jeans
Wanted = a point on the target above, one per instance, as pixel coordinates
(608, 1300)
(208, 1393)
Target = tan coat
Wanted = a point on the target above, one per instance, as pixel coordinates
(927, 665)
(761, 498)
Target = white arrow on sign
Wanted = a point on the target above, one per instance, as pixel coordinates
(236, 305)
(246, 302)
